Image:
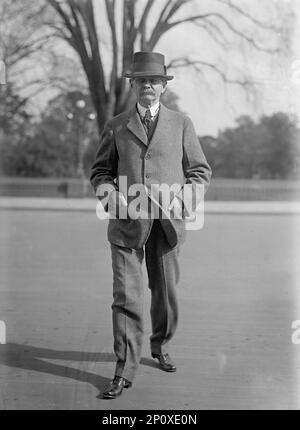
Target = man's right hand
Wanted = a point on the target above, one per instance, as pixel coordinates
(117, 204)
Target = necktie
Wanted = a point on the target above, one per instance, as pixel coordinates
(147, 119)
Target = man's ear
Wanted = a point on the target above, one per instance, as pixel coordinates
(131, 82)
(164, 87)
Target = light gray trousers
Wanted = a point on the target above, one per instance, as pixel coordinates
(127, 308)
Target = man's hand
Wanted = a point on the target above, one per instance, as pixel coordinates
(116, 204)
(176, 209)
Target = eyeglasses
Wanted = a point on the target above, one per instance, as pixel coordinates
(152, 81)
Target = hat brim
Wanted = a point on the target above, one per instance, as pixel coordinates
(145, 74)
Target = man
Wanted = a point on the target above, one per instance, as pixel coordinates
(147, 145)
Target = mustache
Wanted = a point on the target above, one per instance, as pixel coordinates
(147, 92)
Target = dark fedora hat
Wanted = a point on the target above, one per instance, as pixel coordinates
(148, 64)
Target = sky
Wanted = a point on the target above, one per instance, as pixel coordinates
(214, 106)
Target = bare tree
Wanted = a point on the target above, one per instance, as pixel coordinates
(21, 39)
(28, 50)
(141, 29)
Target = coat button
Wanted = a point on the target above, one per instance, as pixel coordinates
(148, 175)
(147, 156)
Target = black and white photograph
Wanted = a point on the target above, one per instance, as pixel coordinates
(149, 207)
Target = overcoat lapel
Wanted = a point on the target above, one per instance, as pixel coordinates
(136, 127)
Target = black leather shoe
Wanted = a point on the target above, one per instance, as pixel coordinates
(115, 387)
(165, 362)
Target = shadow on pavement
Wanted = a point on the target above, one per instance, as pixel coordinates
(29, 357)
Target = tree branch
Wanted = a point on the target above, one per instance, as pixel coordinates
(62, 14)
(250, 17)
(212, 30)
(59, 32)
(110, 9)
(184, 62)
(249, 39)
(161, 25)
(140, 29)
(24, 51)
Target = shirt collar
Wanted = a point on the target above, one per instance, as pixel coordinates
(153, 109)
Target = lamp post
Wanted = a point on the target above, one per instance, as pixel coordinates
(81, 139)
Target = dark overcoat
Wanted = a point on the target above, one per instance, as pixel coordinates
(172, 156)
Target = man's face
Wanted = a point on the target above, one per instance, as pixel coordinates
(148, 89)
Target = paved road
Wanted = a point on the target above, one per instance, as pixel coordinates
(238, 297)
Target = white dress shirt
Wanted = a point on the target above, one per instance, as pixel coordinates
(153, 110)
